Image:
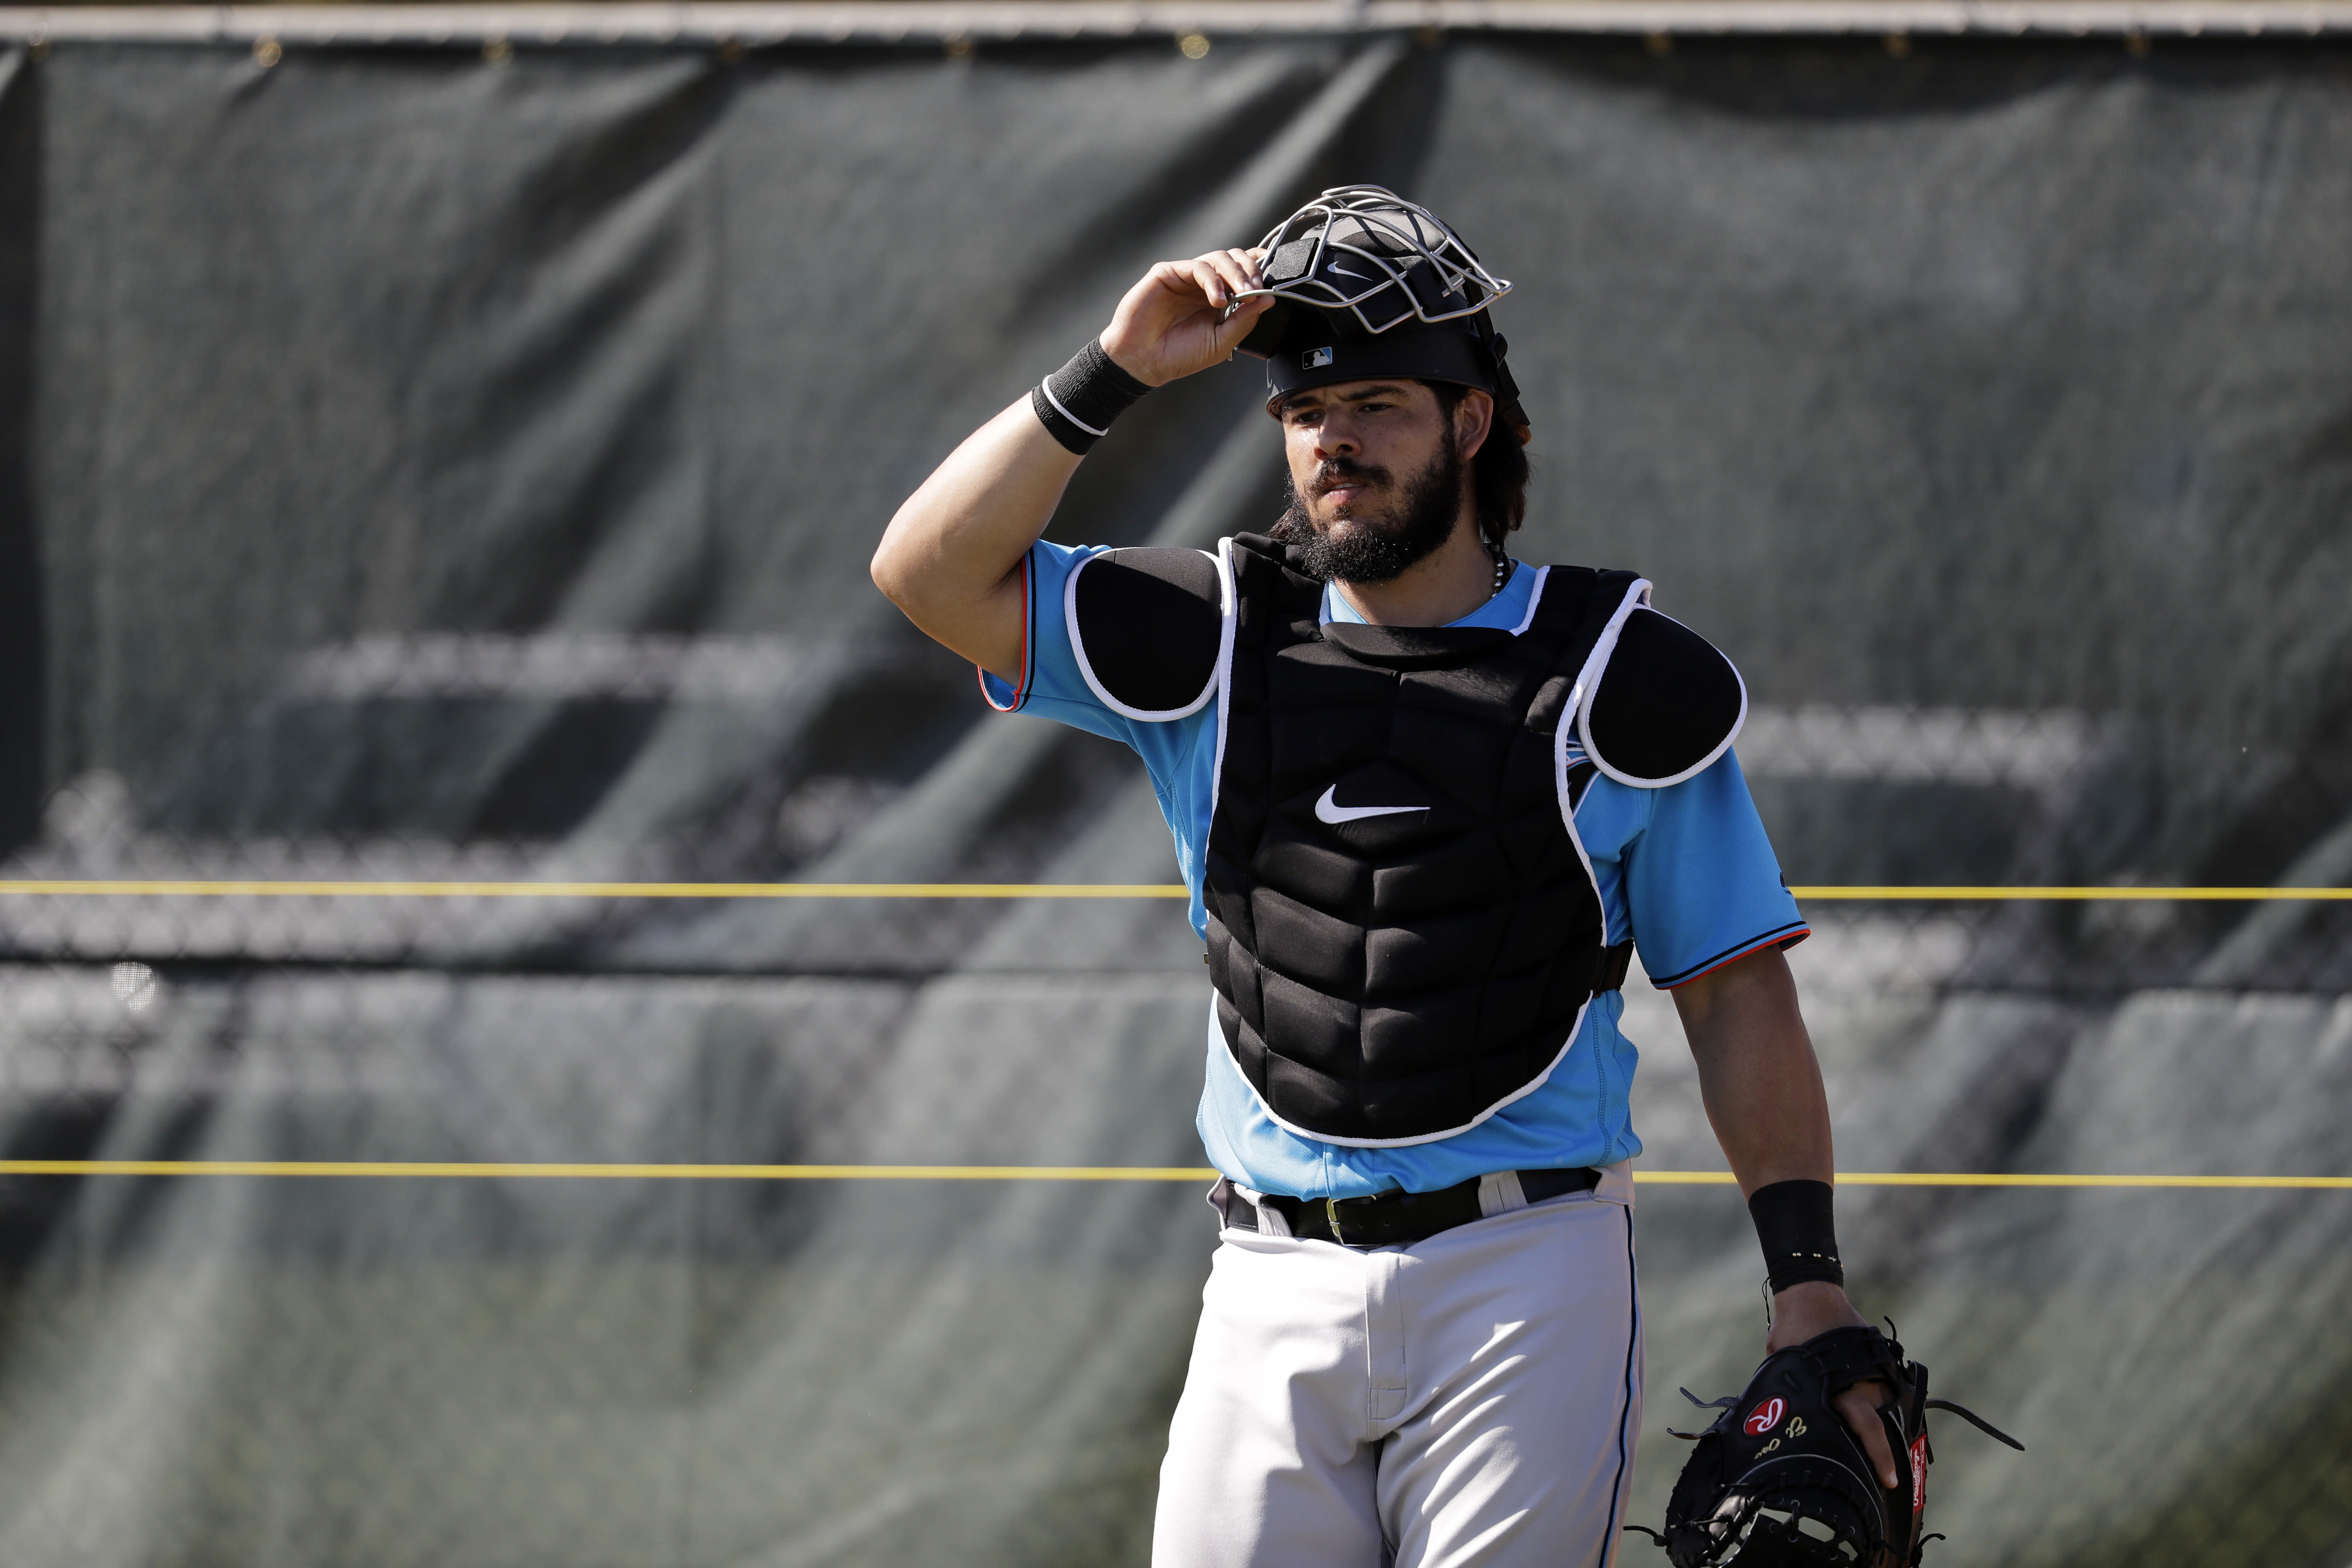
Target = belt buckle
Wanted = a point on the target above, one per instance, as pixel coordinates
(1331, 1216)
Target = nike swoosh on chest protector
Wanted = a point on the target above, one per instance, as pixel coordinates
(1330, 810)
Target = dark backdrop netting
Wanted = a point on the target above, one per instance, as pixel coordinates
(413, 464)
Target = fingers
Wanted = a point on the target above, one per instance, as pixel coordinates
(1236, 272)
(1859, 1407)
(1221, 274)
(1211, 283)
(1215, 278)
(1183, 316)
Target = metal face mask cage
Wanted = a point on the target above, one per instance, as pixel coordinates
(1384, 260)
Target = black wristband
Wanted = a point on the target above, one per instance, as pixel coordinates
(1795, 1222)
(1077, 403)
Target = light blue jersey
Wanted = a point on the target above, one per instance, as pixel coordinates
(1686, 873)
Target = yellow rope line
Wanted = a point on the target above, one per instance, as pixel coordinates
(184, 888)
(578, 1171)
(2003, 1179)
(188, 888)
(574, 1171)
(2174, 895)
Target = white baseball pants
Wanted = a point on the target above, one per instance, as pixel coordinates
(1471, 1399)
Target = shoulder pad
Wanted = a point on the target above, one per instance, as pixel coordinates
(1147, 626)
(1668, 703)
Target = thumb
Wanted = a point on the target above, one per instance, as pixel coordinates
(1881, 1454)
(1861, 1415)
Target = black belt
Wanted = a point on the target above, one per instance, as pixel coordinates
(1394, 1218)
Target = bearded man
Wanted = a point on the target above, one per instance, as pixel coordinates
(1427, 799)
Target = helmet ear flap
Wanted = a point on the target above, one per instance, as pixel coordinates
(1507, 410)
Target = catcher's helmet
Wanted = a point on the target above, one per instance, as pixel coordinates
(1369, 284)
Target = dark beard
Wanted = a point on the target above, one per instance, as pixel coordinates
(1426, 509)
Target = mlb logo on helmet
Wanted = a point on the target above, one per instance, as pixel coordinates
(1765, 1417)
(1315, 359)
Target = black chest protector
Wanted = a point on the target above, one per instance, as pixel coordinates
(1403, 930)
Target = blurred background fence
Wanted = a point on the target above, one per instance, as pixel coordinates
(457, 462)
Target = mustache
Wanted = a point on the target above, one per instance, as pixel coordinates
(1333, 472)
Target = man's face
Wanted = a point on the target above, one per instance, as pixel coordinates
(1375, 478)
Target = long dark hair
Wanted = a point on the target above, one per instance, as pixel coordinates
(1499, 474)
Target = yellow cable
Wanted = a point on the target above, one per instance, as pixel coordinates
(574, 1171)
(2167, 895)
(587, 1170)
(2003, 1179)
(185, 888)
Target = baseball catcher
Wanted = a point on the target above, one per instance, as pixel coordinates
(1427, 800)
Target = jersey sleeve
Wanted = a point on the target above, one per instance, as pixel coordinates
(1122, 643)
(1702, 885)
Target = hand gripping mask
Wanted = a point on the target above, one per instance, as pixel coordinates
(1371, 285)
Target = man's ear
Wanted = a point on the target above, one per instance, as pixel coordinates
(1474, 421)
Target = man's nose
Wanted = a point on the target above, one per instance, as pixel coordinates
(1334, 439)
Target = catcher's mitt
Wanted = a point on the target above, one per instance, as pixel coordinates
(1780, 1480)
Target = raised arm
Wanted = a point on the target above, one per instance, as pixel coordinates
(951, 557)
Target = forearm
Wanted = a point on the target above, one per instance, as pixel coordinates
(1762, 1088)
(1756, 1072)
(951, 556)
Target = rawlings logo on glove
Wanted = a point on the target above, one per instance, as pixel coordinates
(1789, 1486)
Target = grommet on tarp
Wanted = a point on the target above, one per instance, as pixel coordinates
(266, 52)
(1194, 46)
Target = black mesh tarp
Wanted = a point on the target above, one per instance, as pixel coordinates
(419, 465)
